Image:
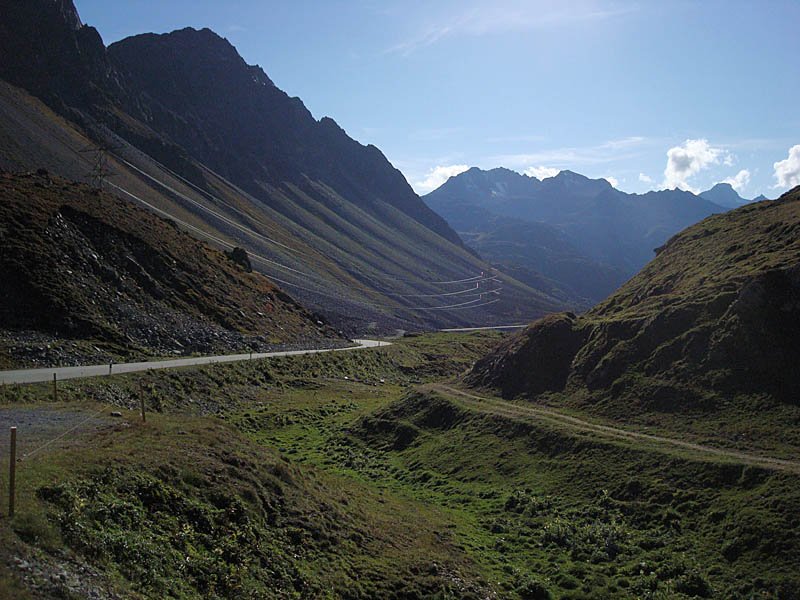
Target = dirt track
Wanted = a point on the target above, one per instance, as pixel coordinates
(515, 411)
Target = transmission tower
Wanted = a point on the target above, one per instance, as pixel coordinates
(99, 170)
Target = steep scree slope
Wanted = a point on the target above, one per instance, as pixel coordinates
(243, 162)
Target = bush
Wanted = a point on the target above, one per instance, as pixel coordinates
(533, 589)
(693, 584)
(239, 256)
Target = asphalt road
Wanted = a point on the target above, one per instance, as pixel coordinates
(46, 374)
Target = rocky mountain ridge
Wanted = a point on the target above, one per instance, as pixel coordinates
(328, 219)
(610, 234)
(724, 195)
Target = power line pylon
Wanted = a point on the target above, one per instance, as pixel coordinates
(99, 171)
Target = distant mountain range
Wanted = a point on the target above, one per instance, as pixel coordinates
(181, 123)
(724, 195)
(581, 235)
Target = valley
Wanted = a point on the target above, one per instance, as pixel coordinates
(506, 500)
(250, 351)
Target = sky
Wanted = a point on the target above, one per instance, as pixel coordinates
(649, 95)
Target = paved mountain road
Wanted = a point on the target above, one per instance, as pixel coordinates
(46, 374)
(516, 411)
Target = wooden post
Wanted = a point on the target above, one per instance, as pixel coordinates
(12, 473)
(141, 401)
(55, 388)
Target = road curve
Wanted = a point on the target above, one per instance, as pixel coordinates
(61, 373)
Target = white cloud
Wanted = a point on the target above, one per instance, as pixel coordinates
(787, 171)
(622, 143)
(541, 172)
(739, 181)
(686, 161)
(645, 178)
(612, 180)
(436, 177)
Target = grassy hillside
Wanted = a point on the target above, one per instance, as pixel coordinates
(340, 480)
(703, 339)
(82, 268)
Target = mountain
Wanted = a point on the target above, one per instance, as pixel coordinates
(540, 255)
(759, 198)
(723, 194)
(195, 88)
(87, 276)
(180, 124)
(711, 323)
(604, 235)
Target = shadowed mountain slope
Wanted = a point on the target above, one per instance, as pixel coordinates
(715, 315)
(603, 235)
(196, 133)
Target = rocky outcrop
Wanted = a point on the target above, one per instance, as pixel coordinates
(79, 264)
(45, 49)
(550, 343)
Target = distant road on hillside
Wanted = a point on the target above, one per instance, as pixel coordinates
(46, 374)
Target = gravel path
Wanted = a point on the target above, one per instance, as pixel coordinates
(55, 427)
(516, 411)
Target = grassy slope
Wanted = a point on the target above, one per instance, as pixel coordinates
(414, 491)
(701, 343)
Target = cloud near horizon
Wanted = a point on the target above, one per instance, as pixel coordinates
(541, 172)
(687, 160)
(436, 177)
(787, 171)
(738, 181)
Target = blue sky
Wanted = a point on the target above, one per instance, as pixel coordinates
(648, 94)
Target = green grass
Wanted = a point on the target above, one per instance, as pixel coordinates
(321, 486)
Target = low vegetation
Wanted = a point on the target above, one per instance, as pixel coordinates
(339, 475)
